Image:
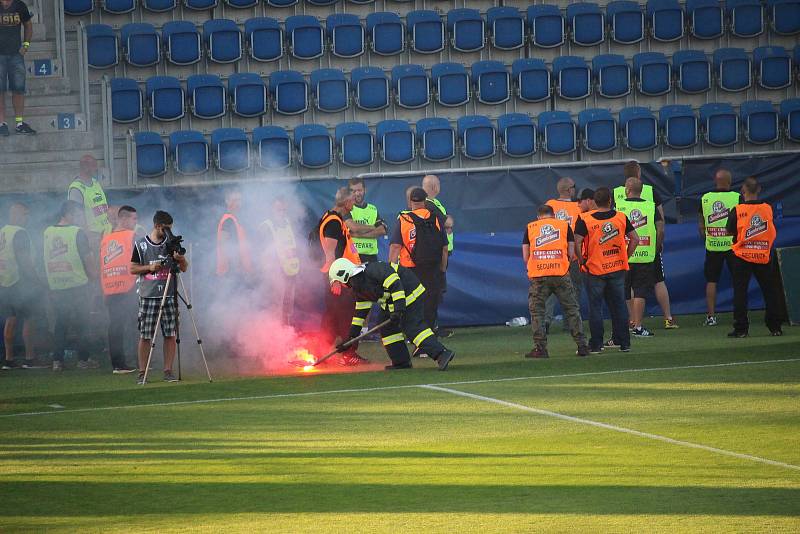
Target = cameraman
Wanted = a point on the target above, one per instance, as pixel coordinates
(150, 261)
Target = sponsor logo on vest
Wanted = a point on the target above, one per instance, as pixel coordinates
(609, 232)
(563, 215)
(638, 219)
(59, 248)
(757, 226)
(718, 212)
(547, 234)
(113, 251)
(717, 231)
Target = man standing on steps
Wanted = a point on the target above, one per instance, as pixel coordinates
(13, 14)
(87, 191)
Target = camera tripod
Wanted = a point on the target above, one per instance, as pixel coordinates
(173, 276)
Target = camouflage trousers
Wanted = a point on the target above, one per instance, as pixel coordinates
(560, 286)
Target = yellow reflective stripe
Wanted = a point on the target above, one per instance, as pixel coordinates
(363, 305)
(410, 299)
(390, 307)
(398, 295)
(358, 321)
(422, 336)
(391, 279)
(394, 338)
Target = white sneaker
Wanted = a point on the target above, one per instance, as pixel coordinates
(642, 332)
(58, 366)
(88, 364)
(711, 320)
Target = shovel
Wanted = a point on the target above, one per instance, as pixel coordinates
(346, 344)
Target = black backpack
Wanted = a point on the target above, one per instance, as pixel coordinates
(429, 241)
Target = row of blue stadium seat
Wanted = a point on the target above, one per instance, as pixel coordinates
(450, 84)
(434, 139)
(545, 25)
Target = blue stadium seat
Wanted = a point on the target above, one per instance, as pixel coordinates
(159, 6)
(666, 19)
(720, 124)
(477, 135)
(118, 7)
(264, 38)
(231, 149)
(396, 141)
(78, 8)
(370, 88)
(532, 79)
(452, 84)
(181, 42)
(558, 132)
(598, 130)
(126, 100)
(322, 2)
(411, 86)
(166, 98)
(506, 27)
(355, 144)
(241, 4)
(773, 67)
(733, 69)
(679, 126)
(706, 20)
(653, 73)
(306, 39)
(281, 3)
(746, 17)
(784, 16)
(289, 92)
(189, 151)
(272, 147)
(626, 20)
(206, 96)
(546, 25)
(491, 82)
(223, 40)
(101, 46)
(330, 89)
(141, 44)
(639, 128)
(759, 122)
(587, 23)
(345, 34)
(426, 31)
(151, 154)
(692, 70)
(248, 94)
(517, 134)
(200, 5)
(387, 35)
(313, 146)
(467, 31)
(612, 74)
(436, 138)
(790, 113)
(573, 78)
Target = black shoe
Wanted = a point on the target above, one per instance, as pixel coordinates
(443, 360)
(123, 370)
(444, 333)
(23, 128)
(35, 364)
(595, 350)
(11, 364)
(776, 333)
(583, 350)
(397, 366)
(538, 352)
(624, 348)
(169, 376)
(4, 130)
(737, 334)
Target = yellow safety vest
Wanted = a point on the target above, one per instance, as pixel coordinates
(62, 262)
(9, 267)
(95, 205)
(285, 246)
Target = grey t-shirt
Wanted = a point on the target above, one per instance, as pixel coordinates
(145, 252)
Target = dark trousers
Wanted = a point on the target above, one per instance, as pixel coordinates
(608, 288)
(415, 329)
(338, 314)
(766, 275)
(71, 313)
(431, 277)
(122, 311)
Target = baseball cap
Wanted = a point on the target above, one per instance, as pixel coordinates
(418, 194)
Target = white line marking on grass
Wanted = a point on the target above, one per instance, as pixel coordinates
(388, 388)
(615, 428)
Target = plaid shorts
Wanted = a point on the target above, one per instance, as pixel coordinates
(148, 314)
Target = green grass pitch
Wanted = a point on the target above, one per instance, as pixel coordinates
(690, 431)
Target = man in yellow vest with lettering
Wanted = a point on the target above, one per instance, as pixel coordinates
(280, 247)
(605, 232)
(87, 191)
(641, 278)
(713, 218)
(365, 223)
(548, 249)
(753, 230)
(20, 287)
(69, 265)
(119, 287)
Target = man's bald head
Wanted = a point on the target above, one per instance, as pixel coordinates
(88, 165)
(18, 214)
(343, 197)
(633, 188)
(431, 185)
(565, 186)
(723, 179)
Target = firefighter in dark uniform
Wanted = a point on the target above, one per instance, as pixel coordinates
(398, 292)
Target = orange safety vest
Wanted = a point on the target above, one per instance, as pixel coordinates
(350, 251)
(755, 232)
(548, 247)
(223, 264)
(565, 210)
(606, 249)
(408, 231)
(116, 250)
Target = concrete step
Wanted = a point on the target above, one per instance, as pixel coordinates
(38, 176)
(44, 147)
(49, 85)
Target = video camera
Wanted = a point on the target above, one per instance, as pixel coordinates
(173, 243)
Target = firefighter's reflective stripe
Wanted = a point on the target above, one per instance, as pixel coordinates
(394, 338)
(398, 295)
(755, 232)
(358, 321)
(363, 305)
(417, 293)
(391, 279)
(422, 336)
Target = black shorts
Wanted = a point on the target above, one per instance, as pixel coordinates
(712, 267)
(658, 265)
(18, 301)
(640, 279)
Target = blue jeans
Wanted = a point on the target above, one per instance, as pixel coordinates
(12, 74)
(611, 289)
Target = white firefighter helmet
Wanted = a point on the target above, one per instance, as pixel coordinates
(342, 269)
